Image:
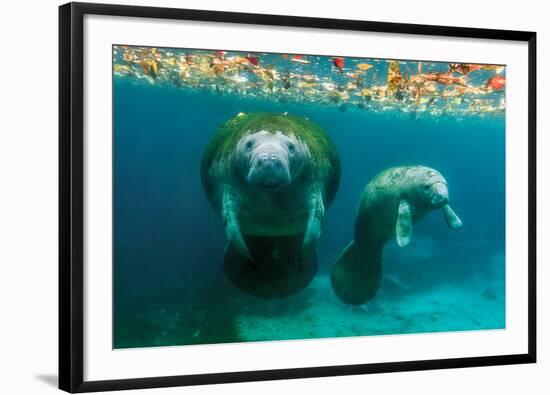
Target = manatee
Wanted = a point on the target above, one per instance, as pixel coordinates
(270, 177)
(389, 206)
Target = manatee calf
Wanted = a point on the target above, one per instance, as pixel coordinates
(270, 177)
(390, 204)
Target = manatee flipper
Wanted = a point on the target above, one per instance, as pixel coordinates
(356, 276)
(313, 229)
(275, 274)
(450, 217)
(403, 226)
(231, 206)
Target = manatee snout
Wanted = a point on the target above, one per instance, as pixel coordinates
(269, 166)
(440, 194)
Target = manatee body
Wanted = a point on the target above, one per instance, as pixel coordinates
(389, 206)
(270, 177)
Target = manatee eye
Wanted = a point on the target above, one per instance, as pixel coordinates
(249, 145)
(291, 148)
(426, 187)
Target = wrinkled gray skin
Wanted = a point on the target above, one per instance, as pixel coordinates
(389, 206)
(272, 192)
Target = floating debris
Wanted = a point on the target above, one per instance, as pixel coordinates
(364, 66)
(496, 83)
(463, 68)
(300, 59)
(339, 63)
(430, 88)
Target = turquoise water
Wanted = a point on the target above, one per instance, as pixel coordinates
(169, 286)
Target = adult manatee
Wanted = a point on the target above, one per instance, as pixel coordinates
(270, 177)
(390, 204)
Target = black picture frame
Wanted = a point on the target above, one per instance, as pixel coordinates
(71, 195)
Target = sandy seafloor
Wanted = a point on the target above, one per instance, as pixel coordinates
(408, 302)
(442, 308)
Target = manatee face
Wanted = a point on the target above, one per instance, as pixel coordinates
(432, 188)
(270, 160)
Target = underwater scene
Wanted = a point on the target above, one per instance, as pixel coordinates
(267, 196)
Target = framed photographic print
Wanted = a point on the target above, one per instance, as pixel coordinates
(258, 197)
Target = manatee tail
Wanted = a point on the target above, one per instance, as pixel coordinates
(356, 275)
(276, 272)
